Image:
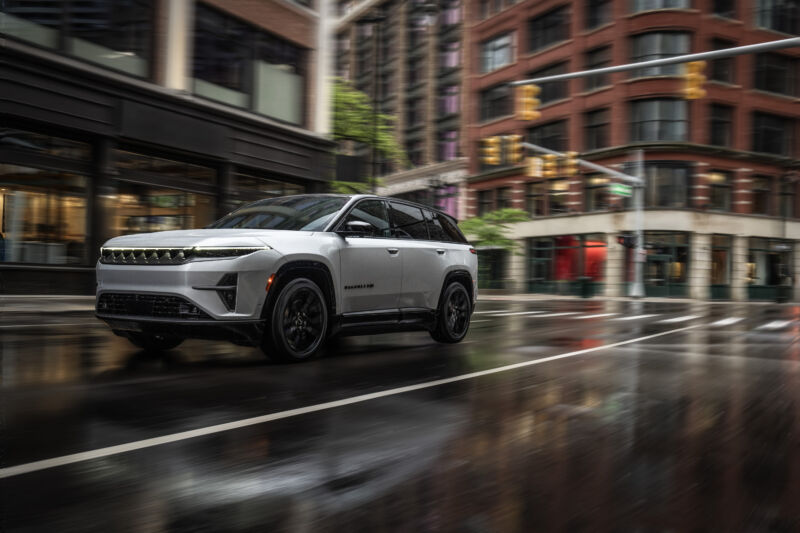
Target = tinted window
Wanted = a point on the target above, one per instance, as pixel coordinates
(435, 229)
(374, 213)
(303, 212)
(408, 222)
(450, 228)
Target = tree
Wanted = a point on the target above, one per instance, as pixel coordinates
(491, 229)
(354, 120)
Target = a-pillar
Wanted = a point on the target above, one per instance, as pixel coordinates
(614, 271)
(739, 268)
(700, 266)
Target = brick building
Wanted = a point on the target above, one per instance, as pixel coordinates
(146, 115)
(418, 50)
(722, 217)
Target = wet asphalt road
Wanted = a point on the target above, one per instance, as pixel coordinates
(689, 422)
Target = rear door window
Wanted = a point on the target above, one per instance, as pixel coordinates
(453, 233)
(435, 229)
(408, 222)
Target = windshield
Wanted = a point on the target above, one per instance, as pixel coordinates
(298, 213)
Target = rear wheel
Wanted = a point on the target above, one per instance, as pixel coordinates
(452, 317)
(153, 343)
(298, 324)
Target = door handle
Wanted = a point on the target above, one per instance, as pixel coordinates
(392, 251)
(440, 251)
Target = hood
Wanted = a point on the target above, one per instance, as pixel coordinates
(205, 237)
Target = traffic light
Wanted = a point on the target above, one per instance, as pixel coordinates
(527, 103)
(533, 167)
(491, 151)
(571, 163)
(694, 80)
(550, 166)
(628, 240)
(514, 149)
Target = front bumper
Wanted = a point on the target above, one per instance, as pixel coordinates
(248, 332)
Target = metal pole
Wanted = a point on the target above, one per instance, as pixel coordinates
(637, 290)
(715, 54)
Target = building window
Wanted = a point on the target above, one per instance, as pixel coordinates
(776, 73)
(448, 145)
(115, 35)
(414, 153)
(725, 8)
(769, 264)
(598, 12)
(557, 194)
(484, 9)
(761, 192)
(552, 90)
(658, 120)
(666, 184)
(414, 112)
(450, 100)
(596, 193)
(721, 130)
(450, 55)
(648, 5)
(496, 102)
(42, 216)
(497, 53)
(555, 264)
(548, 29)
(778, 15)
(504, 198)
(596, 128)
(787, 199)
(597, 58)
(485, 202)
(659, 45)
(719, 191)
(243, 66)
(535, 194)
(552, 135)
(722, 69)
(772, 134)
(451, 13)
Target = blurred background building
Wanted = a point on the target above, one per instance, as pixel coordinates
(410, 57)
(722, 172)
(126, 116)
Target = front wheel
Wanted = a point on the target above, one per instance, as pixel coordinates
(452, 317)
(299, 322)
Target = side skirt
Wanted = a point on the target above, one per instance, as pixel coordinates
(389, 321)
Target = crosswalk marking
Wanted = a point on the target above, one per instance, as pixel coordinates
(775, 324)
(635, 317)
(731, 320)
(678, 319)
(600, 315)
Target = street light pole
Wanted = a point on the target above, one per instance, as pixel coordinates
(637, 290)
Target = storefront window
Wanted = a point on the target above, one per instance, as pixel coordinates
(251, 188)
(667, 264)
(768, 262)
(144, 208)
(36, 143)
(720, 259)
(560, 264)
(42, 216)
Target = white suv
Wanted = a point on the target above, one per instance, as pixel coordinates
(288, 273)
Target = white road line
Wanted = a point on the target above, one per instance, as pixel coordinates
(600, 315)
(775, 324)
(46, 325)
(521, 313)
(491, 312)
(478, 321)
(727, 321)
(635, 317)
(678, 319)
(548, 315)
(54, 462)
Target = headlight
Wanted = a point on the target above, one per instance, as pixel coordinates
(209, 252)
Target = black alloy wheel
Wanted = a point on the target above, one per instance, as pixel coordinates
(455, 310)
(299, 322)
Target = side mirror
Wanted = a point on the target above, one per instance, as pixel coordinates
(357, 228)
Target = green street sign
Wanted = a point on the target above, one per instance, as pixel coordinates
(620, 189)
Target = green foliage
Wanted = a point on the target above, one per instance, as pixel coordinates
(491, 229)
(353, 120)
(352, 187)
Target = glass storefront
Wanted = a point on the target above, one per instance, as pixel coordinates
(666, 267)
(143, 208)
(721, 267)
(42, 216)
(769, 268)
(561, 265)
(247, 188)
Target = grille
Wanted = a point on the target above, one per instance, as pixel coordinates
(149, 305)
(145, 256)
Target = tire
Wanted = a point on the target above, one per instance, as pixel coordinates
(153, 343)
(298, 323)
(453, 315)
